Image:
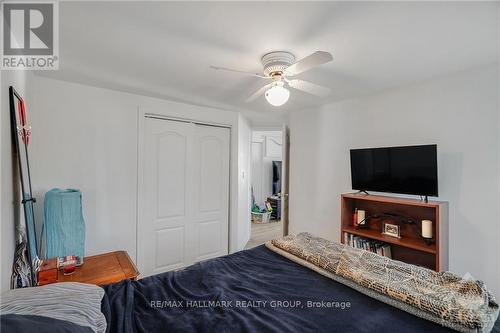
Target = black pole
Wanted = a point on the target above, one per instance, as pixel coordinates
(15, 140)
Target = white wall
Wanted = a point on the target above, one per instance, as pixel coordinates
(244, 176)
(460, 113)
(498, 178)
(85, 137)
(19, 80)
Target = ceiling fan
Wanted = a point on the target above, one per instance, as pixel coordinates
(279, 66)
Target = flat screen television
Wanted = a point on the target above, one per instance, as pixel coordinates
(405, 170)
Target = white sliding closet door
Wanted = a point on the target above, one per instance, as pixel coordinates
(210, 192)
(184, 195)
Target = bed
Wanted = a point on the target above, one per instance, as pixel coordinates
(257, 275)
(255, 290)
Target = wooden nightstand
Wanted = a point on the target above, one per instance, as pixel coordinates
(100, 269)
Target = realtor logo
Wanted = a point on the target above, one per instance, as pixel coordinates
(30, 35)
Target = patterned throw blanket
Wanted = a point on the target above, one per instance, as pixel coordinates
(465, 305)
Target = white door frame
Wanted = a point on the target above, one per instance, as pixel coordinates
(285, 180)
(205, 117)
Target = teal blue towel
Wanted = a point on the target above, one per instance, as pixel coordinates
(64, 227)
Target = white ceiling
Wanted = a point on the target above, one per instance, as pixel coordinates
(164, 49)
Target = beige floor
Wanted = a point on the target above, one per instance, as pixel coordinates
(261, 233)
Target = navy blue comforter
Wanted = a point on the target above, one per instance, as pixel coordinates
(11, 323)
(255, 290)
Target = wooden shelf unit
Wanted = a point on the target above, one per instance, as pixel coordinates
(410, 248)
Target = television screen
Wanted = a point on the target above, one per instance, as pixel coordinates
(406, 170)
(276, 177)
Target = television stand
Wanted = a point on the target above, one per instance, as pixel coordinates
(411, 247)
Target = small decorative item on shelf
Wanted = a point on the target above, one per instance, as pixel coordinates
(69, 260)
(361, 216)
(427, 231)
(362, 219)
(426, 228)
(391, 230)
(355, 217)
(68, 264)
(69, 269)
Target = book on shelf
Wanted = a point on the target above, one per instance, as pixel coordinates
(374, 246)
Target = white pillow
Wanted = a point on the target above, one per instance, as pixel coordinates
(79, 303)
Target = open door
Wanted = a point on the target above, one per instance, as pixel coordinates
(285, 177)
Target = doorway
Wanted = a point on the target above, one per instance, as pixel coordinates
(269, 185)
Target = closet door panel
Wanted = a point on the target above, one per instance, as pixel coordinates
(164, 225)
(211, 198)
(171, 153)
(212, 171)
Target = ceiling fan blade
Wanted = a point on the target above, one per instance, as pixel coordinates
(237, 71)
(309, 87)
(311, 61)
(259, 92)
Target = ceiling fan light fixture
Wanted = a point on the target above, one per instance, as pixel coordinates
(277, 95)
(279, 66)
